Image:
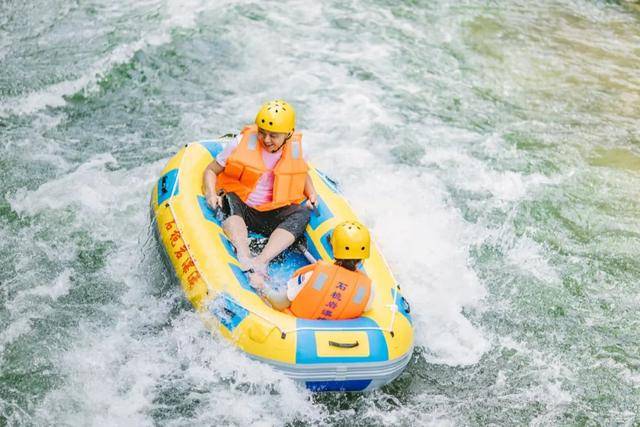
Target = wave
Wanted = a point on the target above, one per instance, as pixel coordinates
(178, 14)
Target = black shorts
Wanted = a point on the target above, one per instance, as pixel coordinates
(293, 218)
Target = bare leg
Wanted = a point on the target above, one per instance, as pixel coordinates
(279, 240)
(236, 229)
(277, 297)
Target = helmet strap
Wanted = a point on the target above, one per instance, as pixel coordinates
(286, 139)
(349, 264)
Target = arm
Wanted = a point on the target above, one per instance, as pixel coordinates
(310, 193)
(209, 183)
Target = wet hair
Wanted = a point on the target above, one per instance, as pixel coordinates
(349, 264)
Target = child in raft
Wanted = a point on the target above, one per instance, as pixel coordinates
(326, 290)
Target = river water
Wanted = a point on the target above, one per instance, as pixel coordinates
(492, 147)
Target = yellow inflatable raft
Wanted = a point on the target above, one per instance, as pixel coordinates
(326, 355)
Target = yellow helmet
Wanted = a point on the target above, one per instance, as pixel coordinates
(350, 240)
(276, 116)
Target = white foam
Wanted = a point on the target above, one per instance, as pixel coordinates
(119, 375)
(53, 96)
(426, 245)
(399, 414)
(54, 290)
(425, 241)
(16, 329)
(183, 13)
(550, 373)
(474, 175)
(26, 305)
(106, 201)
(116, 374)
(85, 188)
(528, 255)
(179, 14)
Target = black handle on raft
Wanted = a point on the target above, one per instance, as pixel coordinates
(344, 344)
(316, 209)
(163, 185)
(405, 305)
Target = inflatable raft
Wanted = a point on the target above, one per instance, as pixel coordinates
(326, 355)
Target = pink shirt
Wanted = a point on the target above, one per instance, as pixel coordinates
(263, 193)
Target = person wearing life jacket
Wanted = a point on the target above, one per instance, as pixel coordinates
(334, 291)
(259, 181)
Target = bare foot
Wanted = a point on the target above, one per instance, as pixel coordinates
(257, 280)
(259, 267)
(246, 263)
(260, 273)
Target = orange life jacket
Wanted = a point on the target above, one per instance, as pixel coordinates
(245, 166)
(332, 292)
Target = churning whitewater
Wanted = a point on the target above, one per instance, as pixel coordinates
(492, 149)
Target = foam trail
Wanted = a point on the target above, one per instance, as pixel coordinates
(430, 260)
(425, 241)
(123, 374)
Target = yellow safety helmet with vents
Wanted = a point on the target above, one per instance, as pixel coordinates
(350, 240)
(276, 116)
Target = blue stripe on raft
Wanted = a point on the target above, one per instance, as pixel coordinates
(165, 186)
(320, 214)
(312, 247)
(333, 185)
(402, 305)
(228, 311)
(214, 147)
(242, 278)
(207, 212)
(306, 351)
(348, 385)
(228, 246)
